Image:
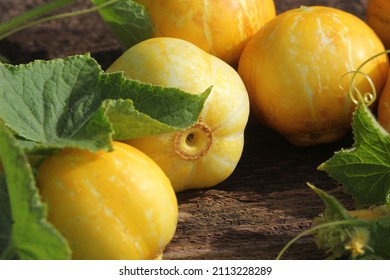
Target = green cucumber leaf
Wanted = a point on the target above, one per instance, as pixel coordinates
(58, 103)
(344, 234)
(131, 123)
(152, 109)
(127, 20)
(28, 235)
(364, 169)
(52, 103)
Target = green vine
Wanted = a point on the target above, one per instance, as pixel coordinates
(25, 20)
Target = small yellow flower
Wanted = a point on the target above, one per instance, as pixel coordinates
(356, 247)
(358, 242)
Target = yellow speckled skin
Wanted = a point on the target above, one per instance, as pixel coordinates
(177, 63)
(384, 106)
(219, 27)
(109, 205)
(378, 17)
(293, 67)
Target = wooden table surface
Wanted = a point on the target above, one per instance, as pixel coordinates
(265, 202)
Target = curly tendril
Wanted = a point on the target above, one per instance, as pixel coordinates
(354, 93)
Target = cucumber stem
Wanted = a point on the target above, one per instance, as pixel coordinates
(33, 13)
(22, 26)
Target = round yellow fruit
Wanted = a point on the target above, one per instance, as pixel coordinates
(207, 153)
(109, 205)
(294, 69)
(221, 28)
(378, 17)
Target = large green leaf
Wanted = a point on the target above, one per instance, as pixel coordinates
(27, 235)
(364, 170)
(50, 102)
